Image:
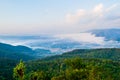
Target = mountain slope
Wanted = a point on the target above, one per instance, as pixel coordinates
(6, 68)
(105, 53)
(109, 34)
(15, 52)
(55, 65)
(94, 60)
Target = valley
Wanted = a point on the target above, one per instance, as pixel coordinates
(53, 58)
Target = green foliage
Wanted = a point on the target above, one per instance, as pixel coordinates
(95, 64)
(39, 75)
(6, 68)
(103, 53)
(59, 78)
(15, 52)
(77, 69)
(19, 71)
(75, 63)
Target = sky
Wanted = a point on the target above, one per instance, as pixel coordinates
(21, 17)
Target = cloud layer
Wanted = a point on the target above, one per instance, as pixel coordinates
(63, 42)
(59, 20)
(98, 17)
(82, 38)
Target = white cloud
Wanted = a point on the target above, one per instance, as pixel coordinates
(82, 37)
(80, 20)
(111, 8)
(92, 19)
(98, 10)
(83, 14)
(72, 18)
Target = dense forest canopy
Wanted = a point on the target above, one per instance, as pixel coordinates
(79, 64)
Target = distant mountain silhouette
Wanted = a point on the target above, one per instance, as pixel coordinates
(15, 52)
(109, 34)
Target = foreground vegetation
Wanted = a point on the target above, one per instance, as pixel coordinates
(68, 69)
(92, 64)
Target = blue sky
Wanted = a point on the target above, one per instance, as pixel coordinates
(57, 16)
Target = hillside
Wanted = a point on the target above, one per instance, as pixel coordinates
(6, 68)
(74, 69)
(109, 34)
(99, 62)
(60, 43)
(15, 52)
(103, 53)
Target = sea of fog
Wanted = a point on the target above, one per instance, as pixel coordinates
(61, 42)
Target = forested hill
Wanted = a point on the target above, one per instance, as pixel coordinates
(79, 64)
(15, 52)
(103, 53)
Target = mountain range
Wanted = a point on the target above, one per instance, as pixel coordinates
(99, 48)
(109, 34)
(32, 47)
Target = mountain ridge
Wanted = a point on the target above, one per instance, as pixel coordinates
(109, 34)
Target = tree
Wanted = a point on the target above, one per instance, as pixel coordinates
(39, 75)
(19, 71)
(76, 63)
(76, 69)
